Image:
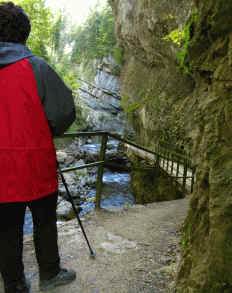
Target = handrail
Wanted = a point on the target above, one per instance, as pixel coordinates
(118, 137)
(77, 134)
(161, 159)
(83, 166)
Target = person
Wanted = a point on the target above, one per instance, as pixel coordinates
(35, 106)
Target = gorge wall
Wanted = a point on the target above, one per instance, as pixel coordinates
(99, 97)
(194, 110)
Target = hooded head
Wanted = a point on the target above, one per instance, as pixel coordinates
(15, 25)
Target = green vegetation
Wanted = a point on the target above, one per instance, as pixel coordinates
(187, 36)
(48, 39)
(118, 54)
(176, 36)
(129, 108)
(181, 38)
(65, 46)
(95, 38)
(59, 57)
(42, 21)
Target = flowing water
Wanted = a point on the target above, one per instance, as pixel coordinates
(116, 191)
(116, 188)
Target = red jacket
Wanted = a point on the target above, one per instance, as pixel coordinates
(27, 154)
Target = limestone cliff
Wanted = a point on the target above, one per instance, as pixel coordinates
(207, 243)
(149, 75)
(99, 96)
(193, 109)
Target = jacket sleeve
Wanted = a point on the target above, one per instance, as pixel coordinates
(56, 98)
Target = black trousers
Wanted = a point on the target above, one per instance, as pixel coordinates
(44, 234)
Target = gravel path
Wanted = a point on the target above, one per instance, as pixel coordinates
(136, 250)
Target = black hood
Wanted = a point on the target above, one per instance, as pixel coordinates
(12, 52)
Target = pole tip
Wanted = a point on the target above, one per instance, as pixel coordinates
(92, 255)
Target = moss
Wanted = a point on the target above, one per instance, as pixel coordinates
(186, 35)
(228, 248)
(221, 21)
(186, 235)
(217, 287)
(152, 184)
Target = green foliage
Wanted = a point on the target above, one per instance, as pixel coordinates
(95, 38)
(64, 67)
(42, 25)
(181, 38)
(118, 54)
(187, 36)
(48, 38)
(129, 108)
(176, 36)
(59, 59)
(170, 16)
(59, 36)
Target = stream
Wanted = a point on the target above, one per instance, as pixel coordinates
(116, 187)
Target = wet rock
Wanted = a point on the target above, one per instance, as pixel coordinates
(65, 211)
(61, 156)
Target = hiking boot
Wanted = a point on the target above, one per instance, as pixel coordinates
(62, 278)
(22, 286)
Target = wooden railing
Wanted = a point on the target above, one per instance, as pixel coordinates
(176, 164)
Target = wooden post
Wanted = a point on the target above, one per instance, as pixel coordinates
(177, 170)
(100, 172)
(157, 161)
(193, 175)
(185, 175)
(168, 157)
(163, 154)
(172, 163)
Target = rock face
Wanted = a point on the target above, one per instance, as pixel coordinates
(206, 265)
(193, 109)
(100, 99)
(149, 76)
(152, 186)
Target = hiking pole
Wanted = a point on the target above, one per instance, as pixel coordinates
(92, 253)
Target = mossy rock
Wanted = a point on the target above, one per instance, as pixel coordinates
(151, 185)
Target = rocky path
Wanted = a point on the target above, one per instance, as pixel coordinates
(136, 249)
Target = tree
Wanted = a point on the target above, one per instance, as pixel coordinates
(42, 20)
(95, 38)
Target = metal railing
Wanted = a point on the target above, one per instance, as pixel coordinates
(178, 166)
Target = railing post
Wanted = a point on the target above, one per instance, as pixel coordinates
(164, 153)
(167, 166)
(193, 175)
(100, 172)
(185, 175)
(157, 161)
(172, 163)
(177, 170)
